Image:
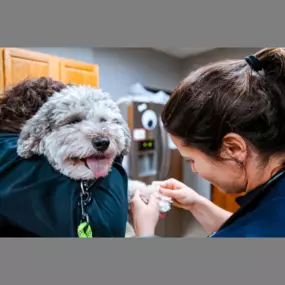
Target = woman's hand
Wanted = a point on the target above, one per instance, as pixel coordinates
(209, 215)
(144, 216)
(182, 196)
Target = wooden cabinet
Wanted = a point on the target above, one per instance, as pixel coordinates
(71, 71)
(18, 64)
(225, 201)
(21, 64)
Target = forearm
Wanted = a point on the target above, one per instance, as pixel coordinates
(210, 216)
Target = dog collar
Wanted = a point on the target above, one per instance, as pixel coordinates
(84, 229)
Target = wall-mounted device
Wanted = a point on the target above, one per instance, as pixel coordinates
(150, 156)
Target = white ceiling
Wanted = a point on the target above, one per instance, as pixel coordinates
(183, 52)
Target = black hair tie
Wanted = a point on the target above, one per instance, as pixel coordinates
(254, 62)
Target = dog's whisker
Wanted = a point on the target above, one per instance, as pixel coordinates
(68, 148)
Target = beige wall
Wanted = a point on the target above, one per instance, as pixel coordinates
(193, 62)
(119, 68)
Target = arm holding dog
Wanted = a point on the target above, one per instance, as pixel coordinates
(40, 200)
(209, 215)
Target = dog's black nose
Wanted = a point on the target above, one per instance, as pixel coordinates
(100, 144)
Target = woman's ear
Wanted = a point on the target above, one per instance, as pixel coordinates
(234, 147)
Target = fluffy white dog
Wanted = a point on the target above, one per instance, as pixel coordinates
(80, 130)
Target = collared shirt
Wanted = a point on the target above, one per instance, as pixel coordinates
(263, 216)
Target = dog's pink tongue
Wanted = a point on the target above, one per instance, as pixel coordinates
(99, 167)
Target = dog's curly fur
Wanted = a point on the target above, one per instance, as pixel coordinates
(145, 190)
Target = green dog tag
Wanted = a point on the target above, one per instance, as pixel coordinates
(84, 230)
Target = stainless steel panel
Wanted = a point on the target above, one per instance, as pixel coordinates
(161, 157)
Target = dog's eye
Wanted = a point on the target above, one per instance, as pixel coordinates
(115, 121)
(70, 120)
(102, 120)
(74, 121)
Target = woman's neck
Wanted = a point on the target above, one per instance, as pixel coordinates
(261, 174)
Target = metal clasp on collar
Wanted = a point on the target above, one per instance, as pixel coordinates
(85, 198)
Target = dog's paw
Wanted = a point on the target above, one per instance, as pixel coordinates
(146, 190)
(134, 185)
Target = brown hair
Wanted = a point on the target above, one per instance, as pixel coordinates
(229, 96)
(22, 101)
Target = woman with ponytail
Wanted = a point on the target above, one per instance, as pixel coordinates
(228, 121)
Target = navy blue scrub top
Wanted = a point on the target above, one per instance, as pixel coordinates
(261, 213)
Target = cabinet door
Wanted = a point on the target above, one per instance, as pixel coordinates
(77, 72)
(22, 64)
(225, 201)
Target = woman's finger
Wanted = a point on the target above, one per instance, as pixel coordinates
(137, 200)
(166, 183)
(177, 204)
(136, 195)
(174, 194)
(172, 184)
(152, 200)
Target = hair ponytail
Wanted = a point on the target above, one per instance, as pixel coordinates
(272, 61)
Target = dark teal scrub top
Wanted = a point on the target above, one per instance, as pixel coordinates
(38, 201)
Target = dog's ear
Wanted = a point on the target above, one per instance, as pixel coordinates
(127, 135)
(34, 130)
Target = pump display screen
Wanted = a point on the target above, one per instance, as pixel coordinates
(146, 145)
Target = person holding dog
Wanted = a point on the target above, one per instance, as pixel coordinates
(227, 120)
(36, 200)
